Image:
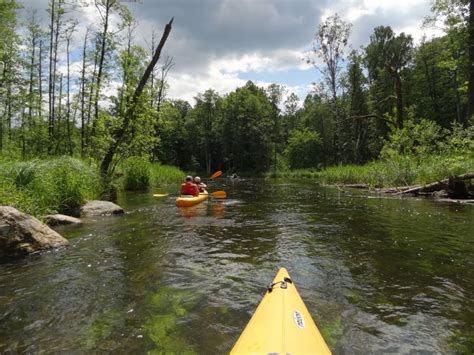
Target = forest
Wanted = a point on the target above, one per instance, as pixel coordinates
(390, 113)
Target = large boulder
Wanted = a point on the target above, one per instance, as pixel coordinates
(100, 208)
(22, 234)
(60, 219)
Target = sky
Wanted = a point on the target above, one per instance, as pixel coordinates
(221, 44)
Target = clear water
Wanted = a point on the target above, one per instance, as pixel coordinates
(378, 274)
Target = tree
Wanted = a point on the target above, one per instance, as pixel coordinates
(392, 54)
(69, 32)
(435, 81)
(275, 94)
(329, 45)
(316, 115)
(355, 126)
(56, 11)
(246, 129)
(207, 114)
(83, 93)
(9, 59)
(304, 149)
(458, 16)
(119, 134)
(105, 9)
(290, 117)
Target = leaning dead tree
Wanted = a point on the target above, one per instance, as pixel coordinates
(119, 134)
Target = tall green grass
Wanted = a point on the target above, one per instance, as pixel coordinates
(398, 171)
(39, 187)
(403, 171)
(139, 174)
(420, 153)
(165, 175)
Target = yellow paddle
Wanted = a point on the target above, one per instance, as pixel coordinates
(160, 195)
(219, 194)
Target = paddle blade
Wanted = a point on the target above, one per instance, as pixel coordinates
(219, 194)
(216, 175)
(160, 195)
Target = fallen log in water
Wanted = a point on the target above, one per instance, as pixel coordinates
(455, 187)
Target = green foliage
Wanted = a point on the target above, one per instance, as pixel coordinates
(42, 186)
(414, 139)
(244, 130)
(372, 174)
(419, 153)
(247, 127)
(304, 149)
(165, 174)
(137, 174)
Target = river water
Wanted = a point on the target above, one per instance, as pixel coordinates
(378, 274)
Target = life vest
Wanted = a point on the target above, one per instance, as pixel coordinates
(188, 188)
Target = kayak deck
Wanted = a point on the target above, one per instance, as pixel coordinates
(281, 324)
(186, 201)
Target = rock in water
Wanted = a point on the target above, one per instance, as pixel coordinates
(22, 234)
(60, 219)
(100, 208)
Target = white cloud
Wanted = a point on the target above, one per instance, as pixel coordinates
(215, 43)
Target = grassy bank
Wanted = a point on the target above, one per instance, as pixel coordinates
(39, 187)
(401, 172)
(63, 184)
(419, 153)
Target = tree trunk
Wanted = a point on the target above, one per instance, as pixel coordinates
(470, 110)
(89, 105)
(58, 136)
(398, 94)
(108, 6)
(40, 79)
(50, 84)
(68, 93)
(436, 186)
(119, 134)
(83, 93)
(30, 90)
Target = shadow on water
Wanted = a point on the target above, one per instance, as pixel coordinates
(378, 274)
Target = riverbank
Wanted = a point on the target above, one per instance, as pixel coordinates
(402, 175)
(45, 186)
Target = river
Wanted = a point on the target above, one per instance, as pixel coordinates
(377, 273)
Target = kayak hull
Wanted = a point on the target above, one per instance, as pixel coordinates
(187, 201)
(281, 324)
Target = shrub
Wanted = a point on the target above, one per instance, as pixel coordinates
(303, 150)
(137, 174)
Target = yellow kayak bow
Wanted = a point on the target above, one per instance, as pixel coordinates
(281, 324)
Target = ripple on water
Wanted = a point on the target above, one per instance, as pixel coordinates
(377, 274)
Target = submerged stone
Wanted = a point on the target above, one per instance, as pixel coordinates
(100, 208)
(60, 219)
